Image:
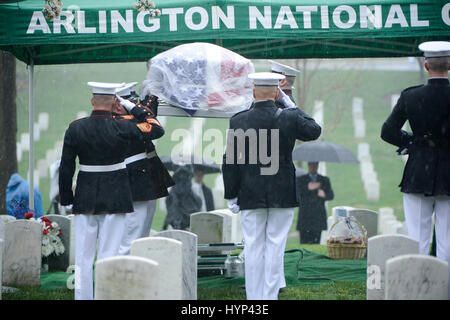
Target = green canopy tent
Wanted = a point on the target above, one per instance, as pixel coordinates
(113, 31)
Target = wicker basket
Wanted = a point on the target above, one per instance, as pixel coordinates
(347, 251)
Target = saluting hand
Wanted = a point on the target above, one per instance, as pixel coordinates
(127, 104)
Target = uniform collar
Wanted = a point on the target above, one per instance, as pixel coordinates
(264, 103)
(438, 81)
(101, 113)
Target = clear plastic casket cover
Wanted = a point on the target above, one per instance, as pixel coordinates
(201, 76)
(347, 231)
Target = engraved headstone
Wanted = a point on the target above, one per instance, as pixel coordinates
(189, 261)
(168, 254)
(368, 218)
(416, 277)
(4, 219)
(61, 262)
(22, 253)
(379, 250)
(209, 227)
(126, 278)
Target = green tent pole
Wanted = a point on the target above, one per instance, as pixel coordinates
(31, 131)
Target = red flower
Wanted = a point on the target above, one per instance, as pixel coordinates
(45, 219)
(29, 215)
(60, 233)
(45, 231)
(48, 224)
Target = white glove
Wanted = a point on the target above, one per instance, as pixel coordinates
(232, 205)
(287, 102)
(127, 104)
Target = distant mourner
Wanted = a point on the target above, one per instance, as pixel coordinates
(103, 193)
(149, 178)
(426, 177)
(313, 190)
(264, 190)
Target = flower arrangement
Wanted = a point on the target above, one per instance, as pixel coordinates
(21, 210)
(52, 9)
(149, 6)
(51, 238)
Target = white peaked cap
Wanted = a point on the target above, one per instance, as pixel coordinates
(283, 69)
(435, 49)
(126, 89)
(265, 78)
(104, 87)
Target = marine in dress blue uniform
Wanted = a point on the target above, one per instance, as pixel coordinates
(267, 201)
(149, 179)
(103, 194)
(426, 178)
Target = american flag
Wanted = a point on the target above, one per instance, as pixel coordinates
(202, 76)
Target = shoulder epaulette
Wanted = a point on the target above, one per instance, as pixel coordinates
(413, 87)
(238, 113)
(144, 127)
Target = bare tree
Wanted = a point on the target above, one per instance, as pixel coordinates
(8, 123)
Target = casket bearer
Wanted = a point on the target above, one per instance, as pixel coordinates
(286, 84)
(426, 177)
(103, 194)
(267, 200)
(149, 179)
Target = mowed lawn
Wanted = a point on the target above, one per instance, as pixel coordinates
(62, 91)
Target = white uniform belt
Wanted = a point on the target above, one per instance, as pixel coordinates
(106, 168)
(140, 156)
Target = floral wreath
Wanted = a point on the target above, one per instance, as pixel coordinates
(52, 9)
(148, 6)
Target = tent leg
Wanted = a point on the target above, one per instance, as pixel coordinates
(31, 131)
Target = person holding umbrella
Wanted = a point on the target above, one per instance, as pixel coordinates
(313, 190)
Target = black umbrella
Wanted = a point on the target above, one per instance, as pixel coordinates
(207, 166)
(318, 151)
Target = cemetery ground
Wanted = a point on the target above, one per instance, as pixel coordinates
(62, 92)
(335, 291)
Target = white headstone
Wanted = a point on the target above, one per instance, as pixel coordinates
(229, 222)
(81, 114)
(368, 218)
(189, 261)
(379, 250)
(373, 190)
(416, 277)
(168, 254)
(36, 132)
(43, 121)
(363, 150)
(22, 253)
(61, 262)
(72, 240)
(25, 141)
(42, 168)
(360, 129)
(126, 278)
(19, 151)
(208, 226)
(4, 219)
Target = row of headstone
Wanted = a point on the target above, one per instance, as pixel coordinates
(163, 266)
(359, 124)
(24, 143)
(395, 271)
(318, 116)
(42, 168)
(368, 174)
(389, 224)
